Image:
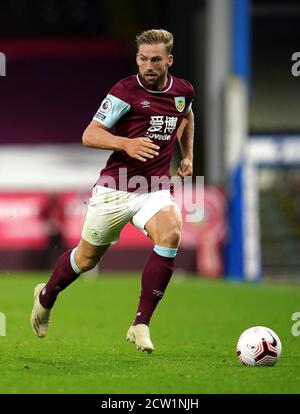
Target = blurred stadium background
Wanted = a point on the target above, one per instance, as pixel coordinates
(63, 57)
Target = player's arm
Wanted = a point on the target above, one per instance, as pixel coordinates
(98, 136)
(185, 135)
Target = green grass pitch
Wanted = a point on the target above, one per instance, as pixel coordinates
(194, 330)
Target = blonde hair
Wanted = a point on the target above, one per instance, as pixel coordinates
(155, 36)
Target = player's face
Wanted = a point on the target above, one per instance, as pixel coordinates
(153, 62)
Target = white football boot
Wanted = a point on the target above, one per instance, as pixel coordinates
(140, 336)
(39, 316)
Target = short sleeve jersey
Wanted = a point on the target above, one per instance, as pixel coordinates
(132, 109)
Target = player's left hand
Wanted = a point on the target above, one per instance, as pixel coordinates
(185, 169)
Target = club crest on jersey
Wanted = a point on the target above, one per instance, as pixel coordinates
(179, 103)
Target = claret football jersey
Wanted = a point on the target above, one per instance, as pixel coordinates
(132, 109)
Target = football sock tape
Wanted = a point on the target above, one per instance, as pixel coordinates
(165, 251)
(73, 261)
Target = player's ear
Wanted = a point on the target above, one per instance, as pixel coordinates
(137, 57)
(170, 60)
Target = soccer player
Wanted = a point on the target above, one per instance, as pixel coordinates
(140, 120)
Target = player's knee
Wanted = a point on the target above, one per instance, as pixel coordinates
(170, 238)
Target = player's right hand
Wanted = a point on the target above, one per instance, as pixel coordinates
(141, 148)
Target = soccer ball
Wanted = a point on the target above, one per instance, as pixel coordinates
(258, 346)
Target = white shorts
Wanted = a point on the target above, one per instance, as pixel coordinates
(109, 210)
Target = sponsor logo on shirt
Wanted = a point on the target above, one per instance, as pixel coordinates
(161, 127)
(106, 105)
(179, 103)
